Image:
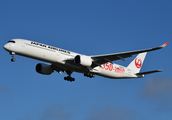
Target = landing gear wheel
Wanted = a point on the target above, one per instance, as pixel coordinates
(13, 59)
(89, 75)
(72, 79)
(69, 78)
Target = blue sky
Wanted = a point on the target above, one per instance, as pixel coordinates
(90, 27)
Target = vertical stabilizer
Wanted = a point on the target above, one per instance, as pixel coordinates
(137, 63)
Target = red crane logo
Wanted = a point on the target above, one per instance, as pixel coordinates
(138, 62)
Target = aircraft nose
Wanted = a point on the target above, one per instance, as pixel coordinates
(6, 46)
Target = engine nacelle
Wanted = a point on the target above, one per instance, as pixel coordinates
(83, 60)
(44, 69)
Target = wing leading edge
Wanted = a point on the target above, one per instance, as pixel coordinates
(101, 59)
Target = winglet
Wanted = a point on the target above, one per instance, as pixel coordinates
(164, 45)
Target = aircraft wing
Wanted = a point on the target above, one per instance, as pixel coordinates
(58, 69)
(101, 59)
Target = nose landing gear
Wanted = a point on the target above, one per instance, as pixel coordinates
(12, 59)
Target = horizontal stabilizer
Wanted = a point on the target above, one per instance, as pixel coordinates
(148, 72)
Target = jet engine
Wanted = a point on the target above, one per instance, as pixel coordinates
(44, 69)
(83, 60)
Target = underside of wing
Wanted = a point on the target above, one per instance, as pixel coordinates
(101, 59)
(58, 69)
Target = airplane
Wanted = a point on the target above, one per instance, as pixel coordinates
(61, 60)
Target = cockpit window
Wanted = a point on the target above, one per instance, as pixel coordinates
(11, 41)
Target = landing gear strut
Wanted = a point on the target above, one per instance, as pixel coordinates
(69, 78)
(12, 59)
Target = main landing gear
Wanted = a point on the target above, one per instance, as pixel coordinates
(12, 59)
(69, 78)
(89, 75)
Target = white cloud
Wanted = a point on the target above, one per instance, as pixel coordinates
(110, 113)
(56, 112)
(27, 117)
(159, 91)
(157, 87)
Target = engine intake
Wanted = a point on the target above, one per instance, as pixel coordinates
(83, 60)
(44, 69)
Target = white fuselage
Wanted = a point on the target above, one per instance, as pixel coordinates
(59, 56)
